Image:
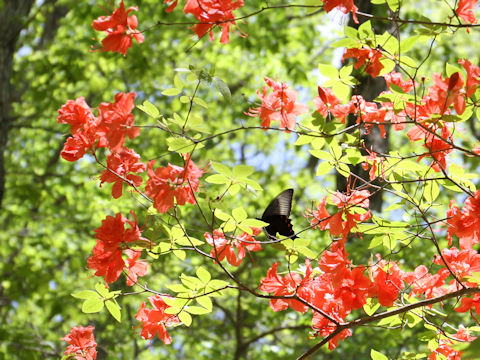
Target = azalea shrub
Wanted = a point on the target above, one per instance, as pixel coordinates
(314, 272)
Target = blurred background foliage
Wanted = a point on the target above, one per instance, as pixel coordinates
(50, 207)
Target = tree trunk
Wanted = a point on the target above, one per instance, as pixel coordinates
(13, 18)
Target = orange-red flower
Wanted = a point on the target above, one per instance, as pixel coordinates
(223, 247)
(368, 56)
(82, 343)
(167, 184)
(212, 13)
(116, 120)
(120, 29)
(279, 105)
(122, 163)
(112, 239)
(155, 321)
(290, 284)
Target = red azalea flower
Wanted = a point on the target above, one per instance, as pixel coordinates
(172, 6)
(388, 281)
(344, 6)
(116, 119)
(290, 284)
(365, 55)
(354, 289)
(349, 206)
(112, 239)
(465, 223)
(135, 267)
(327, 103)
(122, 163)
(465, 11)
(424, 283)
(397, 79)
(368, 114)
(155, 321)
(473, 76)
(212, 13)
(77, 145)
(120, 29)
(279, 105)
(467, 303)
(82, 343)
(445, 349)
(335, 264)
(461, 262)
(223, 247)
(325, 327)
(173, 182)
(77, 113)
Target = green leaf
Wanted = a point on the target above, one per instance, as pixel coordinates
(217, 179)
(234, 189)
(220, 214)
(92, 306)
(375, 355)
(205, 301)
(222, 169)
(114, 309)
(223, 89)
(328, 70)
(254, 223)
(149, 109)
(180, 145)
(431, 191)
(305, 251)
(371, 306)
(200, 102)
(303, 139)
(185, 318)
(86, 294)
(197, 310)
(180, 254)
(203, 274)
(101, 289)
(178, 82)
(178, 288)
(171, 92)
(324, 168)
(239, 214)
(241, 171)
(320, 154)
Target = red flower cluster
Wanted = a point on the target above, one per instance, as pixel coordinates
(211, 13)
(446, 351)
(223, 247)
(327, 103)
(465, 11)
(365, 55)
(334, 293)
(112, 240)
(350, 213)
(165, 184)
(82, 343)
(279, 105)
(109, 129)
(155, 321)
(291, 284)
(121, 163)
(465, 223)
(344, 6)
(120, 29)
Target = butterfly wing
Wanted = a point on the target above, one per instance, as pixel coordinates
(277, 215)
(281, 205)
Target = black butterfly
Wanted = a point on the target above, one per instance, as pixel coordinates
(277, 215)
